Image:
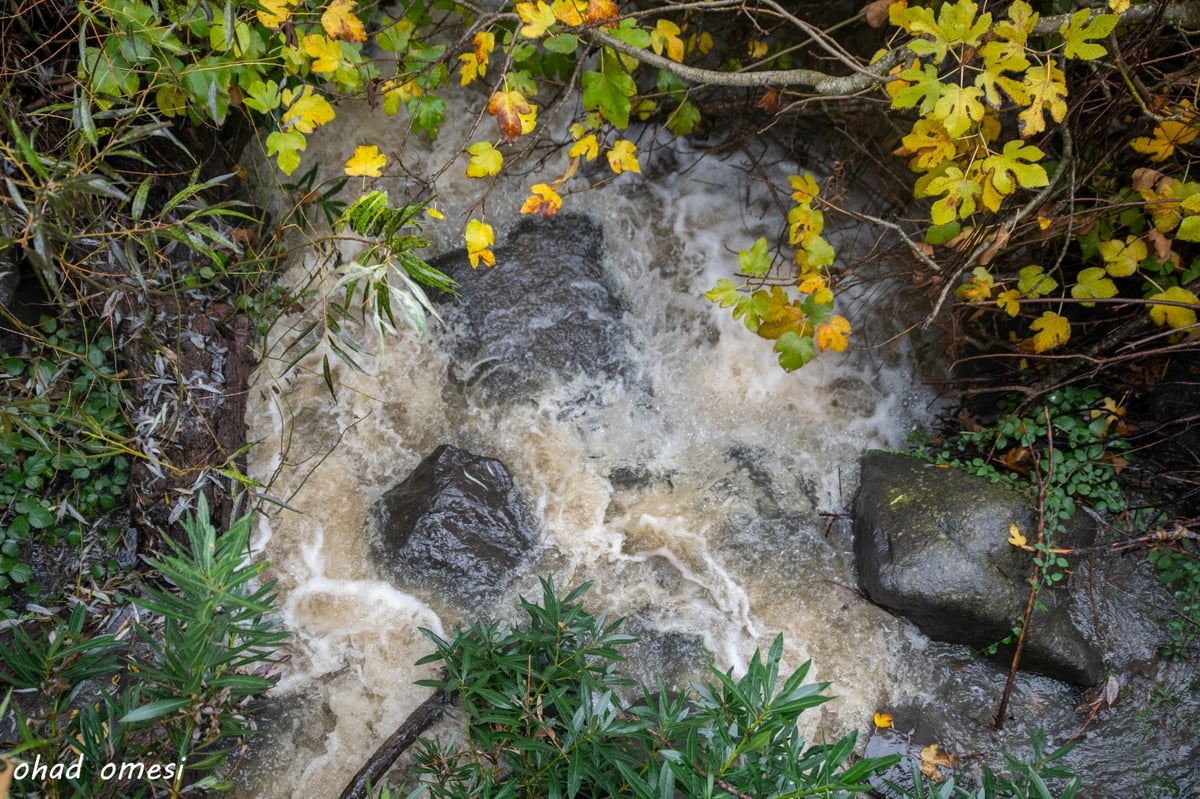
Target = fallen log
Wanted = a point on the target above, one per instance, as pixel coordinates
(421, 719)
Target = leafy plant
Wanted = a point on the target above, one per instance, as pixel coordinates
(182, 682)
(545, 713)
(1180, 571)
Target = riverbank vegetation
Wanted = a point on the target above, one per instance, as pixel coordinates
(1043, 157)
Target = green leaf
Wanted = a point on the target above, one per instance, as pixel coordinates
(565, 43)
(609, 93)
(724, 293)
(1078, 33)
(1189, 229)
(154, 710)
(794, 350)
(684, 119)
(756, 261)
(1034, 282)
(629, 32)
(1093, 282)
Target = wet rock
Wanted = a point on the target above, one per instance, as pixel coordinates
(546, 311)
(457, 525)
(931, 544)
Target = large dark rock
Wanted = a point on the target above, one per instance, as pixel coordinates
(932, 545)
(456, 524)
(546, 311)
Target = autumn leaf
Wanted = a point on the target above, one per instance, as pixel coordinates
(1009, 301)
(1093, 282)
(978, 288)
(1079, 31)
(1175, 316)
(508, 107)
(1168, 135)
(929, 143)
(485, 160)
(306, 110)
(475, 63)
(480, 238)
(1012, 168)
(1014, 536)
(804, 187)
(340, 23)
(569, 12)
(325, 52)
(1047, 90)
(537, 18)
(601, 10)
(958, 107)
(883, 720)
(587, 147)
(1118, 6)
(273, 13)
(832, 334)
(933, 761)
(1121, 258)
(665, 36)
(622, 157)
(367, 161)
(913, 86)
(959, 201)
(1050, 330)
(542, 200)
(434, 213)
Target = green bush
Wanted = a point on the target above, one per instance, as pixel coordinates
(162, 703)
(546, 713)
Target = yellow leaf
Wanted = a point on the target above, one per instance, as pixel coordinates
(665, 36)
(703, 43)
(1014, 536)
(1121, 259)
(929, 143)
(475, 63)
(1009, 301)
(537, 18)
(883, 720)
(1047, 88)
(958, 107)
(1051, 330)
(1175, 316)
(485, 160)
(528, 119)
(306, 110)
(569, 12)
(587, 147)
(508, 109)
(480, 238)
(1118, 6)
(367, 161)
(757, 48)
(622, 158)
(811, 282)
(273, 13)
(340, 23)
(435, 213)
(1168, 135)
(804, 187)
(325, 52)
(832, 334)
(542, 200)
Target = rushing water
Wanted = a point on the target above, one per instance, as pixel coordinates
(701, 496)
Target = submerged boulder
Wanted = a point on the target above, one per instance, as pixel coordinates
(457, 524)
(546, 311)
(932, 545)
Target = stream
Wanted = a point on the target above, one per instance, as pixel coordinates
(703, 492)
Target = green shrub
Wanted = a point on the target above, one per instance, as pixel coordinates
(546, 714)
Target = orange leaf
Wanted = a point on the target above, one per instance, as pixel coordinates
(831, 335)
(544, 200)
(933, 761)
(507, 108)
(600, 10)
(883, 720)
